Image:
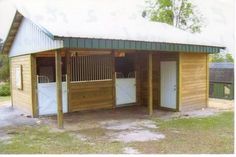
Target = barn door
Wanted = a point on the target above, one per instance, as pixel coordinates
(47, 95)
(125, 89)
(168, 84)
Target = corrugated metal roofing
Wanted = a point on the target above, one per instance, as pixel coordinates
(98, 26)
(222, 72)
(93, 23)
(223, 65)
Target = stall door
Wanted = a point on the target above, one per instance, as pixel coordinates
(168, 84)
(125, 90)
(47, 102)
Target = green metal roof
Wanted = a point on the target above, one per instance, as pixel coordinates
(84, 43)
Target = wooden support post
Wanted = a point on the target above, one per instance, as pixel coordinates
(114, 79)
(34, 82)
(59, 89)
(150, 93)
(180, 83)
(207, 80)
(68, 76)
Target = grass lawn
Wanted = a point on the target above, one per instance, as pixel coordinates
(4, 98)
(212, 134)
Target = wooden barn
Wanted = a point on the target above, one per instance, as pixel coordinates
(76, 66)
(222, 80)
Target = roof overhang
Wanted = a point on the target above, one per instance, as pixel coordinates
(12, 32)
(135, 45)
(114, 44)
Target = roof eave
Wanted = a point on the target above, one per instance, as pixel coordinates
(12, 32)
(98, 43)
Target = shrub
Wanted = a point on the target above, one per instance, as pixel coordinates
(5, 89)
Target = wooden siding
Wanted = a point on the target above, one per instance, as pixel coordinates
(193, 81)
(22, 98)
(30, 38)
(143, 75)
(91, 95)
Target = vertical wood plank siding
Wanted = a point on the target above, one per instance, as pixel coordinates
(22, 98)
(193, 81)
(143, 69)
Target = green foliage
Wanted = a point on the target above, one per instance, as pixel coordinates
(1, 44)
(179, 13)
(229, 57)
(5, 89)
(4, 65)
(218, 57)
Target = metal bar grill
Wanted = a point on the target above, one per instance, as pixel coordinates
(90, 68)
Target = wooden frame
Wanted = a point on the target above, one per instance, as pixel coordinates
(114, 79)
(207, 80)
(59, 89)
(150, 87)
(68, 78)
(34, 86)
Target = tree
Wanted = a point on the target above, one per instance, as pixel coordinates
(218, 57)
(179, 13)
(229, 57)
(1, 44)
(4, 65)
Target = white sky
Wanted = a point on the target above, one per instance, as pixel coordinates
(218, 15)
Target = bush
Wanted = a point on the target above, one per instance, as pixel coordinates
(5, 89)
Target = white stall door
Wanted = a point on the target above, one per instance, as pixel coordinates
(125, 91)
(168, 84)
(47, 98)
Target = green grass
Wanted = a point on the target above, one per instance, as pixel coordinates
(4, 98)
(213, 134)
(29, 140)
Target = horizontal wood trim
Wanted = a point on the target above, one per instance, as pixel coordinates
(91, 95)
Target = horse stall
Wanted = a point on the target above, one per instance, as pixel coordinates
(91, 80)
(46, 85)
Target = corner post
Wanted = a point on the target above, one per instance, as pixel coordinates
(59, 89)
(207, 80)
(150, 92)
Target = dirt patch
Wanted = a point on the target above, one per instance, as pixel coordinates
(132, 130)
(200, 113)
(4, 137)
(14, 117)
(130, 150)
(138, 136)
(128, 124)
(221, 104)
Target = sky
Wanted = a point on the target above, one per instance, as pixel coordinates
(218, 15)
